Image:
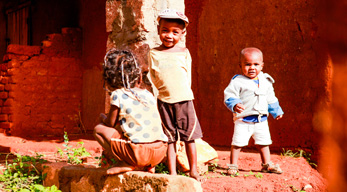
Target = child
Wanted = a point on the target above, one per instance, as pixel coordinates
(131, 133)
(251, 98)
(170, 72)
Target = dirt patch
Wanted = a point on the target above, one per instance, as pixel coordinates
(298, 174)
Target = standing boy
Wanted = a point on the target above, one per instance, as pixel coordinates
(251, 98)
(170, 73)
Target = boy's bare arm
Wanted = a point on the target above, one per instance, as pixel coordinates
(239, 108)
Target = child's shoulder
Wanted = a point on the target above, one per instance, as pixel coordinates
(235, 76)
(171, 50)
(269, 78)
(239, 77)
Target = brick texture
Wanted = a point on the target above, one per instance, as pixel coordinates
(42, 95)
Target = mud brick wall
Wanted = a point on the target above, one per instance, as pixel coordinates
(41, 87)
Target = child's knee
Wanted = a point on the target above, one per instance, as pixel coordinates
(97, 129)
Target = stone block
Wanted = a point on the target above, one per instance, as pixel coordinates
(9, 57)
(2, 87)
(3, 117)
(7, 110)
(52, 171)
(8, 102)
(5, 125)
(3, 95)
(11, 94)
(89, 178)
(14, 64)
(3, 67)
(4, 80)
(23, 49)
(8, 87)
(10, 72)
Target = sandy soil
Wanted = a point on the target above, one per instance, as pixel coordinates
(298, 174)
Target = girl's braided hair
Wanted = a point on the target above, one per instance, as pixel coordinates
(120, 69)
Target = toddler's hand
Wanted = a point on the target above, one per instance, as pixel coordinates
(279, 117)
(238, 108)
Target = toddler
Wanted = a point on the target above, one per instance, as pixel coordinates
(170, 73)
(251, 98)
(131, 134)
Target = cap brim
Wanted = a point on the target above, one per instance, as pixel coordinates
(171, 17)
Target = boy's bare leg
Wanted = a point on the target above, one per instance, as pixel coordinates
(192, 159)
(171, 158)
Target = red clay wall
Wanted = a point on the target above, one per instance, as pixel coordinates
(93, 23)
(43, 87)
(288, 33)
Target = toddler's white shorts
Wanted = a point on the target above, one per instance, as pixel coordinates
(243, 131)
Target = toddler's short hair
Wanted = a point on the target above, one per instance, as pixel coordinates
(120, 69)
(250, 50)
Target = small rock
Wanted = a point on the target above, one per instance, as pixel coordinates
(308, 186)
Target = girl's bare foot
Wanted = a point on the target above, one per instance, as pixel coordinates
(120, 167)
(151, 169)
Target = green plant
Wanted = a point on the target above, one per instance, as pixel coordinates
(182, 173)
(24, 174)
(250, 173)
(295, 189)
(74, 155)
(161, 168)
(212, 167)
(299, 153)
(258, 175)
(289, 153)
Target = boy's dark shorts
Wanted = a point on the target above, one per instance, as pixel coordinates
(179, 120)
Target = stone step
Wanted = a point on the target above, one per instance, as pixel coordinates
(88, 178)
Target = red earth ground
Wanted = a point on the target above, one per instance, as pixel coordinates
(298, 174)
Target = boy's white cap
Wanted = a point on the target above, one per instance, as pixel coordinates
(173, 14)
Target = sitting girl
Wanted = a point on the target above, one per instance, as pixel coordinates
(131, 134)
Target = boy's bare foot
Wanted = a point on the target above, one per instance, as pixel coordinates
(197, 177)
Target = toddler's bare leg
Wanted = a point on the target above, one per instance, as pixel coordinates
(234, 154)
(171, 158)
(265, 153)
